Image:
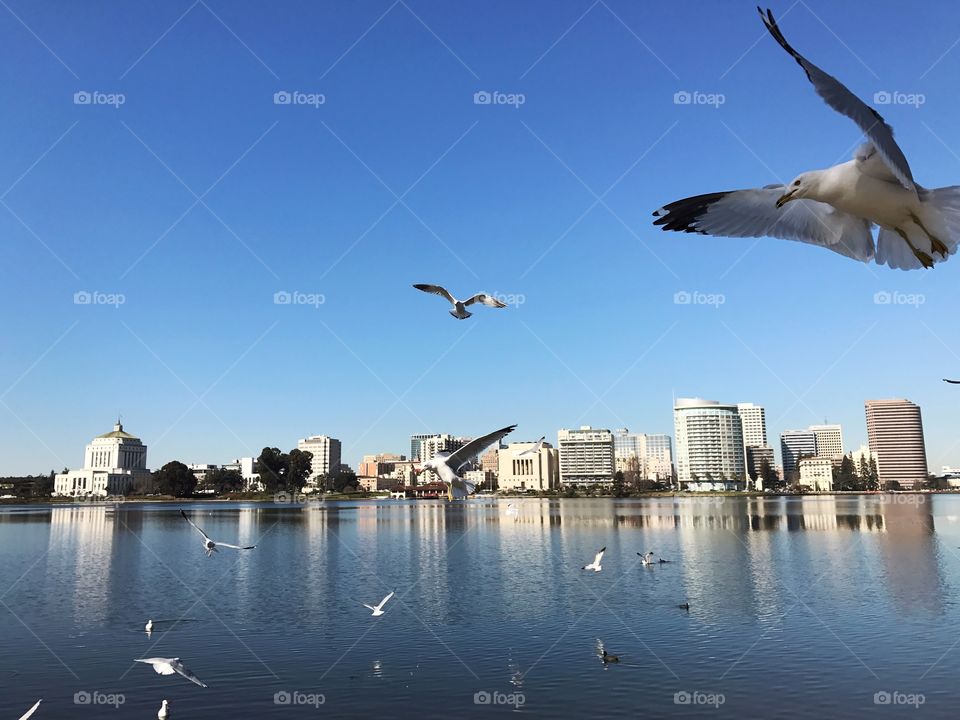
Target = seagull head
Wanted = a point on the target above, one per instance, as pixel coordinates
(802, 186)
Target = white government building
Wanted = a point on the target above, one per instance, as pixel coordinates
(111, 464)
(531, 471)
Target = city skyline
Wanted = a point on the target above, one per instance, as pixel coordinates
(205, 249)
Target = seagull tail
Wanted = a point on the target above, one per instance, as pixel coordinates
(937, 233)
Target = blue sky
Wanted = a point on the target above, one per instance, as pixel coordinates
(399, 177)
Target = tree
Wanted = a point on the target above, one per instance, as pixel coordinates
(299, 467)
(286, 472)
(223, 481)
(619, 485)
(341, 480)
(175, 479)
(768, 475)
(873, 476)
(845, 476)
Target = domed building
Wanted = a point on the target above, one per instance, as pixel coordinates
(112, 462)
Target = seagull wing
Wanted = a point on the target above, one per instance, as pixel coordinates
(838, 97)
(754, 213)
(181, 669)
(236, 547)
(32, 710)
(163, 666)
(476, 446)
(952, 382)
(436, 290)
(194, 525)
(596, 560)
(384, 601)
(487, 300)
(371, 607)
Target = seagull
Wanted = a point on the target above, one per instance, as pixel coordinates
(952, 382)
(595, 565)
(209, 545)
(460, 311)
(513, 511)
(378, 609)
(164, 711)
(684, 606)
(148, 627)
(605, 657)
(646, 559)
(169, 666)
(32, 710)
(448, 465)
(837, 207)
(533, 450)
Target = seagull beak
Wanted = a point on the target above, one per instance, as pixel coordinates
(785, 198)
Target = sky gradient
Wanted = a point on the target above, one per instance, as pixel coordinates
(199, 198)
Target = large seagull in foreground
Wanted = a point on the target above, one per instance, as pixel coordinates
(448, 465)
(837, 207)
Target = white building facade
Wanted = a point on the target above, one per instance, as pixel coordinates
(326, 456)
(816, 473)
(586, 456)
(709, 441)
(829, 441)
(112, 462)
(517, 472)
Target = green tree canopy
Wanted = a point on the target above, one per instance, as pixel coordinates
(175, 479)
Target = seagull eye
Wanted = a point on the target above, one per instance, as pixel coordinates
(796, 183)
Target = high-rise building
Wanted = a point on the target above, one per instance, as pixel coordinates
(657, 451)
(415, 442)
(586, 456)
(532, 471)
(829, 441)
(755, 458)
(795, 444)
(326, 455)
(895, 433)
(709, 439)
(379, 465)
(754, 420)
(627, 450)
(427, 446)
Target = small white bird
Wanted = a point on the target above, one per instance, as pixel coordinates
(209, 545)
(148, 627)
(164, 711)
(460, 306)
(169, 666)
(513, 511)
(595, 565)
(533, 450)
(378, 609)
(448, 465)
(32, 710)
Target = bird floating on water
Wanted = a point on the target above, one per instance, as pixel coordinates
(164, 712)
(32, 710)
(837, 207)
(378, 609)
(684, 606)
(169, 666)
(209, 545)
(595, 565)
(448, 465)
(460, 311)
(148, 627)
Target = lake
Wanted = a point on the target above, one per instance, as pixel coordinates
(801, 607)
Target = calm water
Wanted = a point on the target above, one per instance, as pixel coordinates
(799, 608)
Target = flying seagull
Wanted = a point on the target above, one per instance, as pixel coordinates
(448, 465)
(378, 609)
(837, 207)
(169, 666)
(209, 545)
(595, 565)
(32, 710)
(534, 449)
(952, 382)
(460, 311)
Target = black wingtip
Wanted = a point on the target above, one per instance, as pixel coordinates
(603, 549)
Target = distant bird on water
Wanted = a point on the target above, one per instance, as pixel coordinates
(448, 465)
(595, 565)
(164, 712)
(460, 311)
(148, 627)
(837, 207)
(32, 710)
(209, 545)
